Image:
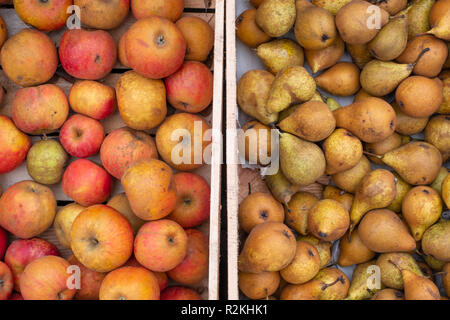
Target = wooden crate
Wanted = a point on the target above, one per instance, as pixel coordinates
(211, 11)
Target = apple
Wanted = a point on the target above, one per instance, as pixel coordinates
(170, 9)
(102, 239)
(179, 293)
(90, 281)
(15, 296)
(190, 89)
(149, 188)
(193, 200)
(130, 283)
(82, 136)
(93, 99)
(194, 267)
(27, 209)
(199, 37)
(45, 15)
(89, 55)
(64, 220)
(21, 252)
(14, 145)
(124, 146)
(122, 205)
(101, 14)
(155, 47)
(41, 109)
(3, 37)
(29, 58)
(86, 183)
(160, 245)
(46, 278)
(6, 281)
(121, 54)
(3, 242)
(162, 278)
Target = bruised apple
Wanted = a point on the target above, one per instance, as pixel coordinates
(199, 37)
(27, 209)
(45, 15)
(6, 281)
(90, 281)
(64, 220)
(122, 205)
(14, 145)
(101, 14)
(101, 238)
(179, 293)
(170, 9)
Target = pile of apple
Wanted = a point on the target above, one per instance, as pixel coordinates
(127, 246)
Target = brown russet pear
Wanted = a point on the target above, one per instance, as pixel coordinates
(438, 11)
(344, 198)
(342, 151)
(342, 79)
(323, 247)
(280, 187)
(361, 95)
(248, 31)
(391, 6)
(419, 96)
(258, 143)
(376, 190)
(314, 27)
(364, 285)
(350, 179)
(328, 220)
(407, 125)
(417, 287)
(388, 294)
(305, 291)
(418, 13)
(382, 230)
(291, 85)
(402, 189)
(379, 148)
(371, 119)
(390, 42)
(312, 121)
(297, 210)
(391, 276)
(335, 284)
(270, 246)
(437, 132)
(259, 207)
(252, 93)
(356, 24)
(446, 190)
(333, 6)
(304, 266)
(417, 162)
(435, 241)
(279, 54)
(324, 58)
(360, 54)
(259, 285)
(446, 278)
(353, 251)
(421, 208)
(441, 29)
(437, 183)
(302, 162)
(276, 17)
(445, 106)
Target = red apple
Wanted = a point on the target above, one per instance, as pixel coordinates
(170, 9)
(160, 245)
(3, 242)
(193, 199)
(27, 209)
(89, 55)
(124, 146)
(179, 293)
(14, 145)
(162, 278)
(86, 183)
(155, 47)
(82, 136)
(190, 89)
(22, 252)
(90, 281)
(46, 278)
(6, 281)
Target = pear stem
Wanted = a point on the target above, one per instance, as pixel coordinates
(326, 285)
(395, 265)
(249, 188)
(420, 56)
(373, 155)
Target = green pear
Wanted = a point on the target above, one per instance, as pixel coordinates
(435, 241)
(276, 17)
(390, 275)
(390, 42)
(364, 282)
(279, 54)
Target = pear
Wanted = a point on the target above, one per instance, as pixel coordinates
(342, 151)
(332, 103)
(259, 285)
(270, 246)
(323, 247)
(360, 54)
(302, 162)
(379, 148)
(333, 6)
(419, 96)
(446, 278)
(280, 187)
(418, 13)
(363, 285)
(391, 6)
(421, 208)
(361, 95)
(388, 294)
(382, 230)
(435, 241)
(341, 80)
(376, 190)
(258, 143)
(344, 198)
(314, 26)
(335, 284)
(407, 125)
(402, 188)
(256, 3)
(418, 287)
(441, 29)
(291, 85)
(297, 211)
(310, 290)
(438, 10)
(353, 251)
(248, 31)
(434, 263)
(324, 58)
(356, 22)
(276, 17)
(328, 220)
(445, 106)
(437, 183)
(304, 266)
(252, 93)
(279, 54)
(390, 42)
(417, 162)
(312, 121)
(446, 191)
(390, 276)
(350, 179)
(371, 119)
(437, 133)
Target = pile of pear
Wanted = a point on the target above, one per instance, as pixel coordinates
(385, 156)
